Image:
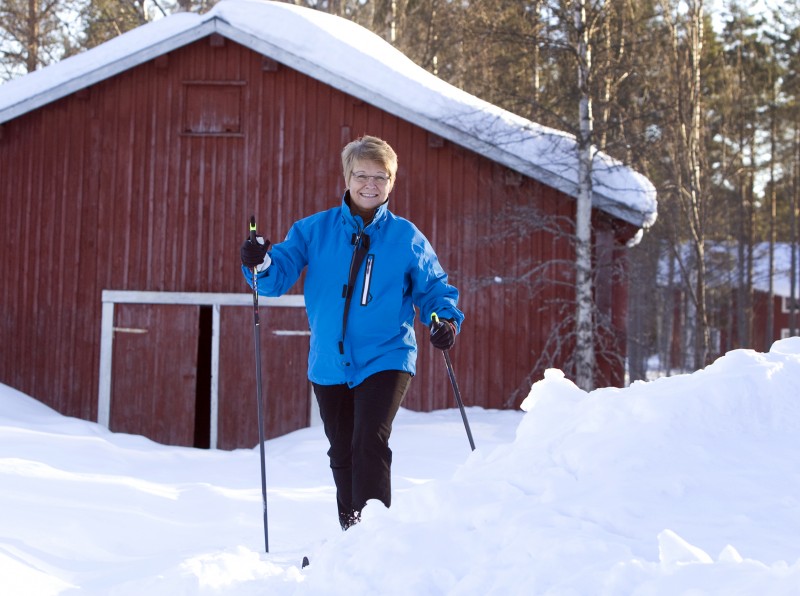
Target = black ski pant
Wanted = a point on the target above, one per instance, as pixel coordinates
(358, 422)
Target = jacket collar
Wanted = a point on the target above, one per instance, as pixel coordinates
(355, 223)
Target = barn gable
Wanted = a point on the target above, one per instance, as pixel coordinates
(134, 168)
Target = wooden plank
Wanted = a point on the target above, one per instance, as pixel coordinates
(215, 335)
(106, 371)
(200, 298)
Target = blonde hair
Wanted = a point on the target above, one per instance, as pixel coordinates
(368, 148)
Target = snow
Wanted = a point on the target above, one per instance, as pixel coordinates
(684, 485)
(355, 60)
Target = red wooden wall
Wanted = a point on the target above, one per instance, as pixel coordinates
(762, 336)
(145, 181)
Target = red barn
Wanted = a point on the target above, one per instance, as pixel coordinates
(128, 174)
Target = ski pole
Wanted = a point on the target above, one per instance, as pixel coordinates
(259, 399)
(452, 375)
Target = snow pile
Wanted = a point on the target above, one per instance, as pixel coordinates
(682, 485)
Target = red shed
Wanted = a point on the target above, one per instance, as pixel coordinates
(129, 173)
(774, 288)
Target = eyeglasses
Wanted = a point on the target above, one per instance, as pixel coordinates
(380, 179)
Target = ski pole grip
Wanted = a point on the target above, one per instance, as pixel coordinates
(434, 317)
(253, 229)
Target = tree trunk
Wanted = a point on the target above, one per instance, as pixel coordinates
(773, 215)
(32, 55)
(794, 247)
(696, 200)
(585, 355)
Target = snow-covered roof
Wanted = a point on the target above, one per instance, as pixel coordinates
(722, 266)
(354, 60)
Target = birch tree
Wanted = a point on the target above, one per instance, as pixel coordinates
(584, 349)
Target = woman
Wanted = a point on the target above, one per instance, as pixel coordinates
(366, 270)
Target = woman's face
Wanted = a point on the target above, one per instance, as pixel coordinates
(369, 187)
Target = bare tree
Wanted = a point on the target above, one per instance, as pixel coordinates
(105, 19)
(34, 34)
(786, 37)
(686, 149)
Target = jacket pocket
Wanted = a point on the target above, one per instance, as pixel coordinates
(366, 297)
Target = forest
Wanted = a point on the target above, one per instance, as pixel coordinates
(701, 97)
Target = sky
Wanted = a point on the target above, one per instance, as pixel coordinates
(683, 485)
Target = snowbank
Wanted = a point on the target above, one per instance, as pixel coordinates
(682, 485)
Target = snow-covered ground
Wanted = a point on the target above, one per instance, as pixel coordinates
(684, 485)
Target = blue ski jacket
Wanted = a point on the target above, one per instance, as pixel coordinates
(400, 270)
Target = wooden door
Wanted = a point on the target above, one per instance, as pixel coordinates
(284, 362)
(154, 372)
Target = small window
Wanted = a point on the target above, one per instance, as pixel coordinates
(213, 108)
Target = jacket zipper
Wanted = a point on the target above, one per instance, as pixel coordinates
(355, 265)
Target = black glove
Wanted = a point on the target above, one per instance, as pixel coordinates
(254, 253)
(443, 334)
